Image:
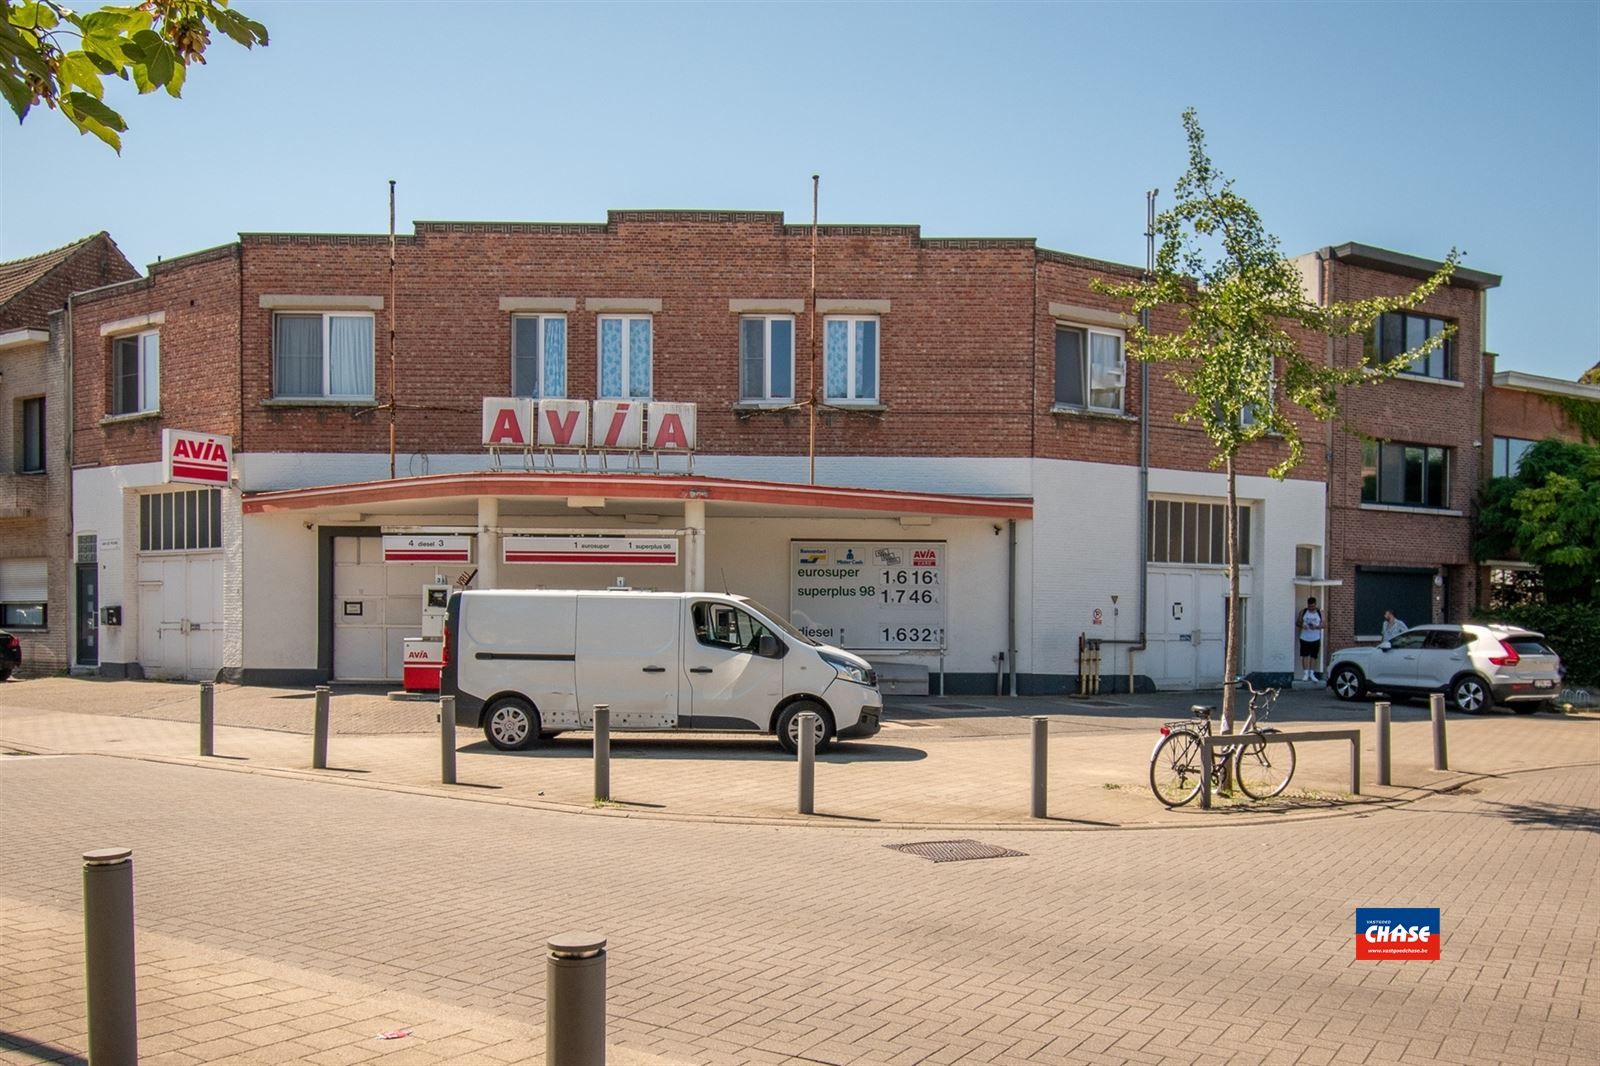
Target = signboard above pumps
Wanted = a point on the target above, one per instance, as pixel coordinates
(583, 425)
(197, 458)
(597, 550)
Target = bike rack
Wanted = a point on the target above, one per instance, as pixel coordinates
(1209, 744)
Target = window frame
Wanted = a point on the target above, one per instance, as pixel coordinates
(853, 400)
(147, 356)
(543, 318)
(1208, 526)
(1086, 368)
(1376, 449)
(25, 627)
(39, 438)
(1502, 448)
(627, 318)
(1373, 344)
(745, 396)
(327, 318)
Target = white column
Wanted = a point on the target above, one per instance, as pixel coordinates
(694, 567)
(488, 542)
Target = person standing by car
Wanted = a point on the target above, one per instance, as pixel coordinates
(1392, 626)
(1309, 628)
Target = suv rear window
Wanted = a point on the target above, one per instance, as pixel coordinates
(1529, 646)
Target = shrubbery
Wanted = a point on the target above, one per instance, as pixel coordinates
(1572, 629)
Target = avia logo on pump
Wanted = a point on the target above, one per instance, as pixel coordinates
(1397, 933)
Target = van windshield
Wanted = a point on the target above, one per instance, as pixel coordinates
(780, 621)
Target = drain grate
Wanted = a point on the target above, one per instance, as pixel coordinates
(954, 850)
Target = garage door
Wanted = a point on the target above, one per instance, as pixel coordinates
(376, 605)
(1407, 591)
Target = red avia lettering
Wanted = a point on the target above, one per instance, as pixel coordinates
(507, 430)
(925, 558)
(200, 451)
(562, 426)
(619, 421)
(670, 434)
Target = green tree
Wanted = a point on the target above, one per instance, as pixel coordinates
(53, 55)
(1547, 514)
(1237, 296)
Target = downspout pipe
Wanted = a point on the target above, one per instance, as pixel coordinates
(1142, 549)
(1011, 601)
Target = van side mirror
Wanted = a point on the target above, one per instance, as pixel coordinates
(767, 646)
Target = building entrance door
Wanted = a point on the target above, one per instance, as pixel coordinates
(180, 615)
(88, 595)
(376, 605)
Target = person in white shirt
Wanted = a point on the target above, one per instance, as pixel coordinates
(1392, 626)
(1309, 627)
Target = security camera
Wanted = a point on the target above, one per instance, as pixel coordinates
(997, 531)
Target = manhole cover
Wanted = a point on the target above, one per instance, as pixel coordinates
(954, 850)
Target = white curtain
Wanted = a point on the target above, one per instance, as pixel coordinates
(349, 355)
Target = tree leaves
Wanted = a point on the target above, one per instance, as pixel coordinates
(1546, 514)
(150, 44)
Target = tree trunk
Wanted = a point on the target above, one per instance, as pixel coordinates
(1230, 658)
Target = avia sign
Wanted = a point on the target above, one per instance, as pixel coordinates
(619, 425)
(200, 458)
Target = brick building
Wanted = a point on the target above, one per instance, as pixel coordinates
(976, 403)
(1403, 471)
(1521, 409)
(36, 556)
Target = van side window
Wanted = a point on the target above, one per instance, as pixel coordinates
(717, 625)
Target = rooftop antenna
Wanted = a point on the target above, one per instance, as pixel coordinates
(724, 572)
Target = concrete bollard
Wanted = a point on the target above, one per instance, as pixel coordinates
(575, 1000)
(1039, 725)
(108, 957)
(447, 739)
(1380, 713)
(602, 751)
(208, 718)
(808, 761)
(1441, 754)
(319, 733)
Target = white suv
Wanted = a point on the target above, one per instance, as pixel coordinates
(1475, 666)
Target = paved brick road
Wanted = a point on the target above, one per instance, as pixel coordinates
(736, 943)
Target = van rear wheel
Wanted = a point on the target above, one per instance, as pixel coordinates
(789, 726)
(511, 724)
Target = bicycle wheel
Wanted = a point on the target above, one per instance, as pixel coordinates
(1263, 770)
(1175, 768)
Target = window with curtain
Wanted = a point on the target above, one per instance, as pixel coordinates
(323, 356)
(625, 357)
(539, 356)
(766, 357)
(1089, 368)
(136, 374)
(850, 359)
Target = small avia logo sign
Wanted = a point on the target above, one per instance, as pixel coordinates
(1401, 933)
(202, 458)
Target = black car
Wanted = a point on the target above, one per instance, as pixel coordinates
(10, 654)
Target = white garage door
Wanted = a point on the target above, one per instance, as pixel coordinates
(376, 605)
(180, 615)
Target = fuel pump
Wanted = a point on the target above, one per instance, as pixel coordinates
(424, 655)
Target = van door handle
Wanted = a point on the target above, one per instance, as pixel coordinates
(655, 669)
(700, 670)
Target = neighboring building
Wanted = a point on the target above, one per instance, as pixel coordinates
(35, 474)
(979, 416)
(1519, 410)
(1403, 484)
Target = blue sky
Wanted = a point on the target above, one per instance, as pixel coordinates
(1416, 127)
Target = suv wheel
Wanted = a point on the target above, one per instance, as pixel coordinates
(1470, 694)
(1346, 683)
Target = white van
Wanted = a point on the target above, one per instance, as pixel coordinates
(529, 664)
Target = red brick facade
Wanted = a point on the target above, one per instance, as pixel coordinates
(965, 348)
(1524, 413)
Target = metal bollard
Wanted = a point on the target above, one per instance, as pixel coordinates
(447, 739)
(602, 751)
(1380, 712)
(208, 718)
(108, 957)
(1040, 727)
(319, 736)
(575, 1000)
(1441, 755)
(808, 761)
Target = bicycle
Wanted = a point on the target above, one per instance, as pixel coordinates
(1261, 770)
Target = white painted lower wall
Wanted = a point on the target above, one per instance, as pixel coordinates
(1080, 549)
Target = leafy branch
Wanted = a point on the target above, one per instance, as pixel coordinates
(55, 56)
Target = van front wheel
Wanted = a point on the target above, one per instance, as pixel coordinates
(511, 724)
(789, 726)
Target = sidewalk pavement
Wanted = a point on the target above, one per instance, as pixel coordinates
(939, 763)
